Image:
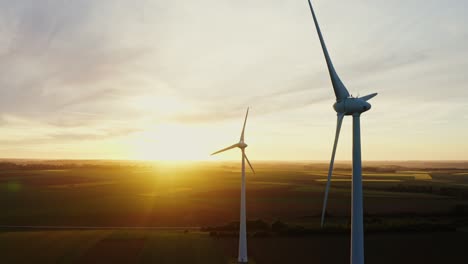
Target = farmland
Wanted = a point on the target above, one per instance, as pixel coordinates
(44, 205)
(105, 246)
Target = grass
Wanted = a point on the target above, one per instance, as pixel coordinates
(47, 246)
(166, 248)
(78, 247)
(163, 247)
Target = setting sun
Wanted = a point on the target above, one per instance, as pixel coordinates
(168, 142)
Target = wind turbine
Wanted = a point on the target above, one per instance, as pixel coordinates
(242, 258)
(347, 105)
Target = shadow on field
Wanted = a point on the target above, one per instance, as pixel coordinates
(169, 247)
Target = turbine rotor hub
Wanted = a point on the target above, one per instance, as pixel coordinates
(242, 145)
(350, 106)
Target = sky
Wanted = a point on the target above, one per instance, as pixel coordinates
(171, 80)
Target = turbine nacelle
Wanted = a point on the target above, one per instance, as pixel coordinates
(240, 145)
(350, 106)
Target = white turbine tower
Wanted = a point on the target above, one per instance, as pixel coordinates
(242, 227)
(347, 105)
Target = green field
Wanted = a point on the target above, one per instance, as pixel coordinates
(399, 198)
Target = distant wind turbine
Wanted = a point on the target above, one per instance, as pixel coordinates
(242, 228)
(347, 105)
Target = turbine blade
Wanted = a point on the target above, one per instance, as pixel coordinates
(224, 149)
(247, 159)
(368, 97)
(330, 170)
(340, 90)
(243, 128)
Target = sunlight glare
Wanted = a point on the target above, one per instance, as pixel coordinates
(168, 142)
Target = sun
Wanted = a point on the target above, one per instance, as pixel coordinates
(167, 142)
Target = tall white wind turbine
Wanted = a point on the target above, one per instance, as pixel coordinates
(347, 105)
(242, 227)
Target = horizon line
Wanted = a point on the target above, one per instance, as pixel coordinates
(233, 160)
